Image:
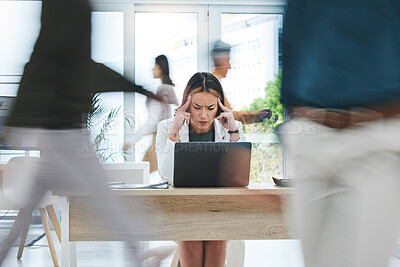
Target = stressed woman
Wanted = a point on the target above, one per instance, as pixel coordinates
(202, 117)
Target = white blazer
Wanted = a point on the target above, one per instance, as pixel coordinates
(166, 147)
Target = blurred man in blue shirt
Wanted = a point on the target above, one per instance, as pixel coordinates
(341, 86)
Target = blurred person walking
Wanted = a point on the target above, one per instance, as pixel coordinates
(160, 111)
(221, 57)
(341, 85)
(54, 94)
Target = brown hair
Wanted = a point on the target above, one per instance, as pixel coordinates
(204, 82)
(162, 62)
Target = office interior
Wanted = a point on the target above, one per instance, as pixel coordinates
(126, 36)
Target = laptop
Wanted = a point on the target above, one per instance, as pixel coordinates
(212, 164)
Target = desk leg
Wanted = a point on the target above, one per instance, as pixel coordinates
(68, 249)
(72, 255)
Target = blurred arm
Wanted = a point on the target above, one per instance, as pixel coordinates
(247, 117)
(104, 79)
(168, 95)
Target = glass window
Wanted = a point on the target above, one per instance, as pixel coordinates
(170, 34)
(20, 26)
(19, 29)
(253, 83)
(108, 48)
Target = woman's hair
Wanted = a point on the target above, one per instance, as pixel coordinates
(162, 62)
(204, 82)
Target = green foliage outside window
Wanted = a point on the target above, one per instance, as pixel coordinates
(267, 153)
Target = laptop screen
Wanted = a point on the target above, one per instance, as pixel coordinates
(212, 164)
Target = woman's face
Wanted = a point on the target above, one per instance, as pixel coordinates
(203, 109)
(157, 73)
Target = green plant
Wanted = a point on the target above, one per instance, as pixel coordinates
(100, 121)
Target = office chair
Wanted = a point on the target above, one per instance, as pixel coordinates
(18, 171)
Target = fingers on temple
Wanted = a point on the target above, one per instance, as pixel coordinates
(186, 105)
(222, 106)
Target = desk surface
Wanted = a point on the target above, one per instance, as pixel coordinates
(254, 212)
(253, 189)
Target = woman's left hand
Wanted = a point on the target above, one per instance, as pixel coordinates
(226, 118)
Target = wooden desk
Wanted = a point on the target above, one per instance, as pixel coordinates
(255, 212)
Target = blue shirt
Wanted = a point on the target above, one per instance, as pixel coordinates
(341, 53)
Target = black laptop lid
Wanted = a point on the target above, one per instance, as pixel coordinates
(212, 164)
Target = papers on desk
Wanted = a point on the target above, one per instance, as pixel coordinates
(163, 185)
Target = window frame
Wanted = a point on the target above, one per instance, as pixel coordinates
(202, 25)
(215, 11)
(209, 29)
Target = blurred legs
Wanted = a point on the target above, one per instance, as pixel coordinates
(347, 190)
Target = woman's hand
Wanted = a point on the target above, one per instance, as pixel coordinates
(181, 116)
(226, 118)
(228, 121)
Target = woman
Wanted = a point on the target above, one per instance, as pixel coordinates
(201, 117)
(160, 111)
(166, 89)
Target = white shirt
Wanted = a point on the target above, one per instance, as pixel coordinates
(166, 147)
(159, 111)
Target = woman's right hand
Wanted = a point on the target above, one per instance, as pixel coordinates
(181, 116)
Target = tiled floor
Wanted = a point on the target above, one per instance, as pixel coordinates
(271, 253)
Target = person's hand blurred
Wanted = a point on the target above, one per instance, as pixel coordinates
(265, 114)
(156, 99)
(161, 99)
(126, 146)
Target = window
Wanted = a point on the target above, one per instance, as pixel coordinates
(173, 32)
(170, 34)
(251, 82)
(19, 28)
(128, 36)
(108, 48)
